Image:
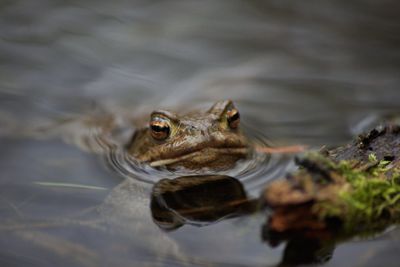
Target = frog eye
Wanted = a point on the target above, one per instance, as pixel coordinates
(159, 128)
(233, 118)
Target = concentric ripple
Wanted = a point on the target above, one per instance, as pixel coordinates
(254, 172)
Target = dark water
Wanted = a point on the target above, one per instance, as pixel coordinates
(314, 73)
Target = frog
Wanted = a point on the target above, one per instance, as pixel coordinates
(195, 140)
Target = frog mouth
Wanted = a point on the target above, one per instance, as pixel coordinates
(203, 156)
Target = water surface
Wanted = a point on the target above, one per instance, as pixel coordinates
(312, 73)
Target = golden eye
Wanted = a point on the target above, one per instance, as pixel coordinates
(233, 118)
(159, 128)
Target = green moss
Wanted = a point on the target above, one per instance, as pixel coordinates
(369, 193)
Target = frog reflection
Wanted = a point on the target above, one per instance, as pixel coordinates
(198, 200)
(195, 140)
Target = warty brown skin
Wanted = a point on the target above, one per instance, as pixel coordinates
(196, 140)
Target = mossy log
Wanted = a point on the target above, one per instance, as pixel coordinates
(356, 186)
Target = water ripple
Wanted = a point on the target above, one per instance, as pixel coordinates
(254, 172)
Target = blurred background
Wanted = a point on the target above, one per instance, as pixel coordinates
(309, 72)
(316, 68)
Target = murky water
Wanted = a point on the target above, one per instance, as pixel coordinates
(312, 73)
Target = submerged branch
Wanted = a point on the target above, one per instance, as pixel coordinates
(282, 150)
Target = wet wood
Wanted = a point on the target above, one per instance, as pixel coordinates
(282, 150)
(298, 201)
